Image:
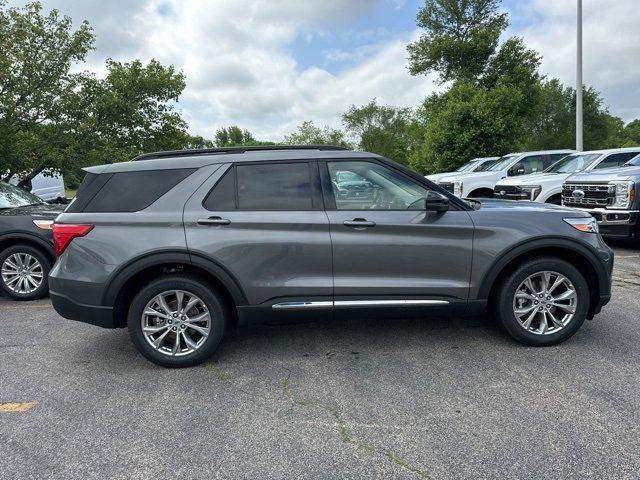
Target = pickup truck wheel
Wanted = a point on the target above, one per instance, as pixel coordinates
(177, 321)
(543, 301)
(24, 271)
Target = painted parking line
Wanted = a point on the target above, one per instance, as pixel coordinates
(16, 407)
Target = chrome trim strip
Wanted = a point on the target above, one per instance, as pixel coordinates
(387, 303)
(605, 211)
(302, 305)
(355, 303)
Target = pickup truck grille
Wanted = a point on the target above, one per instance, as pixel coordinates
(590, 195)
(509, 192)
(448, 186)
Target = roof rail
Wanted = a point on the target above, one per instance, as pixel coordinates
(213, 151)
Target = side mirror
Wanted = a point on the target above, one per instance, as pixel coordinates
(436, 203)
(517, 169)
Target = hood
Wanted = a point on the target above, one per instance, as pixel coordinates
(40, 211)
(606, 175)
(460, 177)
(534, 179)
(437, 176)
(526, 206)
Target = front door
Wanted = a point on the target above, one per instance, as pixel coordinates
(387, 250)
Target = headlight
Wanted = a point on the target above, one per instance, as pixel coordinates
(625, 194)
(587, 224)
(457, 189)
(531, 192)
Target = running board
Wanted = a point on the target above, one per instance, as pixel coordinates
(355, 303)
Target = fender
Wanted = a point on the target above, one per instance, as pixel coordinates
(511, 253)
(28, 236)
(123, 274)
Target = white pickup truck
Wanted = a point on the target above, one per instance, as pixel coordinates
(475, 165)
(481, 184)
(546, 187)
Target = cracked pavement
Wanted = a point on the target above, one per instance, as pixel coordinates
(418, 398)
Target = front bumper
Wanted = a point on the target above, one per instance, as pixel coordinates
(614, 223)
(91, 314)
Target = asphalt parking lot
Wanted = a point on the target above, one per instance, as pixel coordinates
(426, 398)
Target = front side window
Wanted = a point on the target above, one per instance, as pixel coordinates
(274, 186)
(13, 197)
(615, 160)
(532, 164)
(371, 186)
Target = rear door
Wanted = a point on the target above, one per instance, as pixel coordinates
(386, 247)
(264, 224)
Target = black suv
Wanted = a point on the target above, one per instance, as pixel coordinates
(179, 245)
(26, 246)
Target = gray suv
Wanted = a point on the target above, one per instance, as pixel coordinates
(179, 246)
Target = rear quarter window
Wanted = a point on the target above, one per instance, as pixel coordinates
(130, 191)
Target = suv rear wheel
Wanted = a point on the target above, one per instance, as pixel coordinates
(177, 321)
(23, 272)
(543, 301)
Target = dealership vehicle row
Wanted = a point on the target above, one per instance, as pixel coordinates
(603, 183)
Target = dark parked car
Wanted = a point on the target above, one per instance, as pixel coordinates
(26, 246)
(177, 246)
(611, 196)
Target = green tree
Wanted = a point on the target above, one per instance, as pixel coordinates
(309, 134)
(459, 38)
(234, 136)
(37, 52)
(381, 129)
(631, 134)
(52, 119)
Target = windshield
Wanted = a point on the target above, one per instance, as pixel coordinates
(634, 162)
(573, 163)
(486, 165)
(468, 167)
(12, 197)
(501, 163)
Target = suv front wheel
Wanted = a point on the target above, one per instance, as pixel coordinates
(177, 321)
(543, 301)
(24, 270)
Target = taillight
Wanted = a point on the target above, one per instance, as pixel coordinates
(63, 233)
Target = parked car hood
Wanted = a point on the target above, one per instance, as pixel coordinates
(535, 179)
(525, 206)
(460, 177)
(40, 211)
(606, 175)
(436, 176)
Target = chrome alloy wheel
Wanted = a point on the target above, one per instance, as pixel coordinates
(22, 273)
(176, 323)
(545, 303)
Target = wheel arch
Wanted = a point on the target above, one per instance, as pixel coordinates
(579, 255)
(127, 281)
(10, 239)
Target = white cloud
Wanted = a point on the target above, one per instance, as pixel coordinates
(611, 42)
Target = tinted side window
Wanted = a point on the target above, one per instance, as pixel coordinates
(275, 186)
(223, 195)
(612, 161)
(135, 191)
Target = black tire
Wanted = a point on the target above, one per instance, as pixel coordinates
(219, 318)
(504, 295)
(44, 261)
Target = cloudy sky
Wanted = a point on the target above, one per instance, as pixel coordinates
(268, 65)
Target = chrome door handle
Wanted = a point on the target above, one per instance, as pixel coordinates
(359, 223)
(214, 221)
